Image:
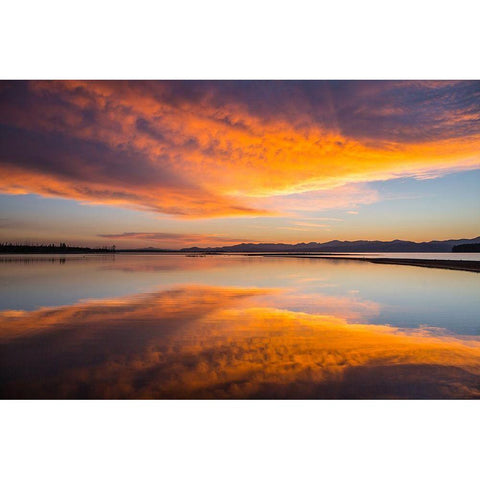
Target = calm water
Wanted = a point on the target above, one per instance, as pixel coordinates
(429, 256)
(169, 326)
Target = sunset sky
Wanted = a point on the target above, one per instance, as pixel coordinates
(209, 163)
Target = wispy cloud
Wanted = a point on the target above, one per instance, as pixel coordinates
(177, 238)
(343, 197)
(313, 225)
(324, 219)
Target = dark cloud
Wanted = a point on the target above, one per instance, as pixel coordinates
(84, 160)
(408, 111)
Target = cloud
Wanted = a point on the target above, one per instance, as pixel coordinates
(55, 165)
(343, 197)
(207, 149)
(324, 219)
(312, 225)
(182, 238)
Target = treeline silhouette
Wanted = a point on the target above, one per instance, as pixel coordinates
(51, 248)
(467, 248)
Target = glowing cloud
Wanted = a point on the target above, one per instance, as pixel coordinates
(207, 149)
(180, 238)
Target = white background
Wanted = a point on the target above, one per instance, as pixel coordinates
(239, 40)
(247, 39)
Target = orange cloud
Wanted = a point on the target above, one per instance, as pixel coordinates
(179, 238)
(216, 148)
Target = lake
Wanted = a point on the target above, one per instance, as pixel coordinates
(235, 326)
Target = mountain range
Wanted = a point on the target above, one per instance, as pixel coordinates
(434, 246)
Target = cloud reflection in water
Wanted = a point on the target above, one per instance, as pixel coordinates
(211, 342)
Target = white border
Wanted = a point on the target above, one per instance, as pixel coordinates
(239, 439)
(216, 39)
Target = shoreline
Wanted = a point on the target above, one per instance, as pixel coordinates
(463, 265)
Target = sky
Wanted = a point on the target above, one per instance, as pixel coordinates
(181, 163)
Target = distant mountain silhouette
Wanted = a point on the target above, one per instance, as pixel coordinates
(435, 246)
(467, 248)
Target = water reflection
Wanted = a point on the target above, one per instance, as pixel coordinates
(29, 259)
(204, 341)
(397, 295)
